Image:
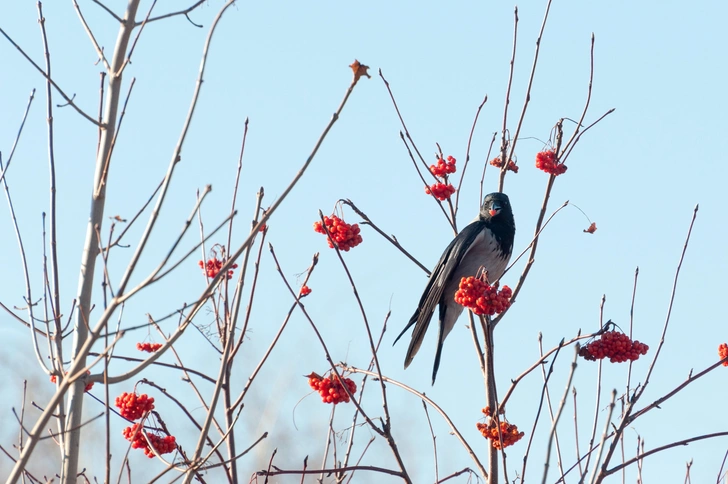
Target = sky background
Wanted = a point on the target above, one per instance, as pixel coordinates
(638, 174)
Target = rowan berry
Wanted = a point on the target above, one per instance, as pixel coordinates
(443, 168)
(509, 433)
(440, 190)
(88, 387)
(616, 346)
(499, 164)
(546, 161)
(592, 228)
(148, 347)
(331, 388)
(723, 353)
(344, 235)
(132, 406)
(305, 291)
(482, 298)
(162, 444)
(213, 266)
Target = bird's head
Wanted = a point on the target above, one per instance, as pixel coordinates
(496, 206)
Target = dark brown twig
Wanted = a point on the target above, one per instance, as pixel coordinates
(527, 99)
(391, 239)
(467, 156)
(437, 408)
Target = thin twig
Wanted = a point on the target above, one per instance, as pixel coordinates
(184, 12)
(467, 156)
(391, 239)
(69, 100)
(504, 128)
(527, 99)
(555, 420)
(627, 417)
(605, 435)
(665, 447)
(439, 410)
(434, 440)
(99, 49)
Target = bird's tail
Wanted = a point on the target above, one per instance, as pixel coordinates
(412, 321)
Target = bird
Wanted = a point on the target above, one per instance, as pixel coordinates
(486, 242)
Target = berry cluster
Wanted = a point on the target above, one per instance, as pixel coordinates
(163, 445)
(148, 347)
(213, 266)
(331, 388)
(482, 298)
(723, 352)
(305, 291)
(443, 167)
(546, 161)
(132, 406)
(613, 345)
(509, 433)
(89, 385)
(440, 190)
(499, 164)
(345, 236)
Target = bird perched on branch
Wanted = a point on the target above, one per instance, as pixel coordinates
(487, 242)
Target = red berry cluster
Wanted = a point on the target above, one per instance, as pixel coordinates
(132, 406)
(546, 161)
(482, 298)
(345, 236)
(509, 433)
(305, 291)
(331, 388)
(89, 385)
(443, 167)
(613, 345)
(213, 266)
(723, 352)
(163, 445)
(499, 164)
(440, 190)
(148, 347)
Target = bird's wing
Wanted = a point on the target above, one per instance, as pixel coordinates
(441, 274)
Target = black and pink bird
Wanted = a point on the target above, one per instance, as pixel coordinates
(488, 243)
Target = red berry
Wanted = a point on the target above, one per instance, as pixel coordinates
(163, 445)
(546, 161)
(132, 406)
(443, 168)
(482, 298)
(498, 164)
(148, 347)
(509, 433)
(723, 352)
(213, 266)
(616, 346)
(88, 387)
(331, 388)
(440, 191)
(345, 236)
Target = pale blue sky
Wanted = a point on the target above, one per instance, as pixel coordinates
(638, 175)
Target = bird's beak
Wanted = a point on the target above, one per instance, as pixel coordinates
(495, 208)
